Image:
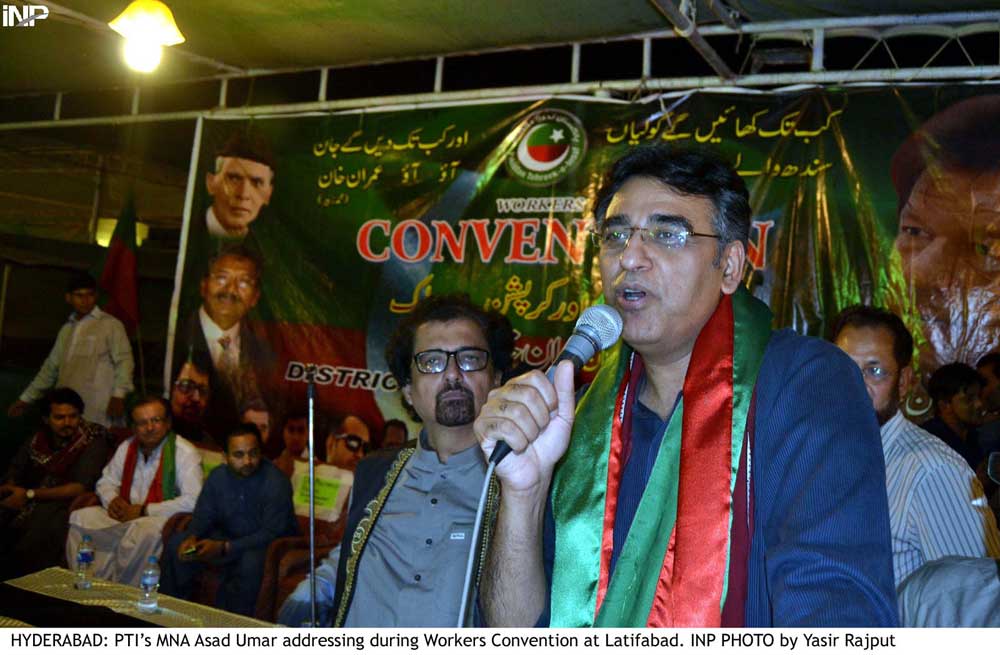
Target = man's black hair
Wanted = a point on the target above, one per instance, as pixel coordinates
(990, 361)
(952, 379)
(863, 316)
(81, 280)
(61, 396)
(244, 429)
(689, 172)
(495, 327)
(200, 360)
(242, 252)
(395, 422)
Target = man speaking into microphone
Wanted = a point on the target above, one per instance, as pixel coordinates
(715, 473)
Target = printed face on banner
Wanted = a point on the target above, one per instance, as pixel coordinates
(190, 394)
(230, 290)
(665, 296)
(239, 189)
(453, 397)
(949, 242)
(295, 435)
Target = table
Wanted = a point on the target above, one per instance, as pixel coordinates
(47, 598)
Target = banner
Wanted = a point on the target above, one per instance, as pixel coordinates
(367, 212)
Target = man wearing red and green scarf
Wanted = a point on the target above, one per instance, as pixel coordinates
(715, 473)
(152, 476)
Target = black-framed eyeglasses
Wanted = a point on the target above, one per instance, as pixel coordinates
(613, 238)
(436, 360)
(353, 442)
(190, 387)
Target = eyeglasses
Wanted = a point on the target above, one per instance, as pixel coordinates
(612, 238)
(353, 442)
(242, 283)
(436, 360)
(875, 373)
(155, 421)
(191, 387)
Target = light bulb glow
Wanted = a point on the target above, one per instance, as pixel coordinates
(142, 56)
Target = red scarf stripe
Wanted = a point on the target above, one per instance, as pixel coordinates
(155, 493)
(701, 531)
(623, 415)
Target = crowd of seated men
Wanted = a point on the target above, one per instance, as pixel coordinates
(240, 486)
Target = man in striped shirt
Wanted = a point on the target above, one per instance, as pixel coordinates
(936, 503)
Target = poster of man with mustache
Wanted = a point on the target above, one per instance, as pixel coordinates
(241, 362)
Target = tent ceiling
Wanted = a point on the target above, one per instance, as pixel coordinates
(67, 54)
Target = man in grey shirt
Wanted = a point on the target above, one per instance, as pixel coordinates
(404, 564)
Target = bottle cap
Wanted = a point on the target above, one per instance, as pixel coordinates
(152, 559)
(86, 537)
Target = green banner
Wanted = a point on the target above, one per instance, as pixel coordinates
(367, 212)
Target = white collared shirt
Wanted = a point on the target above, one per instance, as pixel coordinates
(213, 333)
(188, 477)
(91, 356)
(936, 504)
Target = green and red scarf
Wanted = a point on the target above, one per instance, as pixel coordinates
(692, 478)
(164, 484)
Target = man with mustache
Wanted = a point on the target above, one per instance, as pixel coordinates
(936, 504)
(719, 473)
(58, 463)
(241, 362)
(189, 398)
(153, 475)
(406, 563)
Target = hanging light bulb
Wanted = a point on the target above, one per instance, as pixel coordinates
(147, 25)
(142, 56)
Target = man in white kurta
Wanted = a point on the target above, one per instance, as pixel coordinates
(91, 356)
(126, 530)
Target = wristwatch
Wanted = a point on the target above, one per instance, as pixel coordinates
(30, 494)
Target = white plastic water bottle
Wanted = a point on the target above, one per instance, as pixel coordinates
(84, 560)
(149, 583)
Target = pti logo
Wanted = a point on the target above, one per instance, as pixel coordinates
(23, 16)
(552, 145)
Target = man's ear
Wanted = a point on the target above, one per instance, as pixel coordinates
(905, 381)
(407, 394)
(210, 183)
(734, 257)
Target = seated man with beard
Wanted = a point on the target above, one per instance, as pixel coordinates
(58, 463)
(189, 399)
(405, 566)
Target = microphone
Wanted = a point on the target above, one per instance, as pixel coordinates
(597, 329)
